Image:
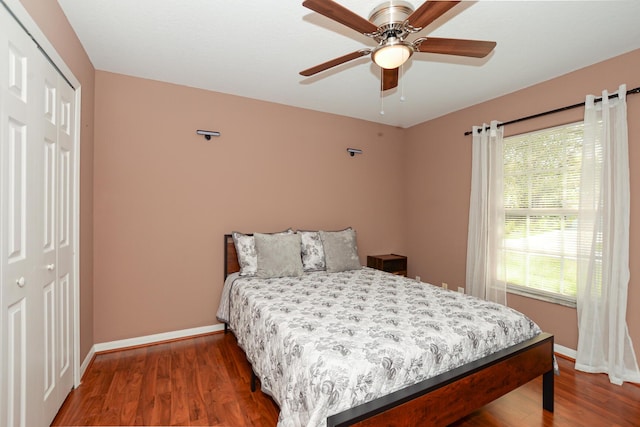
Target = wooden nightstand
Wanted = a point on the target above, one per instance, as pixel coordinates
(392, 263)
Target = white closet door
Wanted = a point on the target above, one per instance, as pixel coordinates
(64, 223)
(36, 296)
(56, 243)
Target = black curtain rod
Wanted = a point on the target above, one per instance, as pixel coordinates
(557, 110)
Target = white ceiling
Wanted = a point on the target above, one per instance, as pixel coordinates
(257, 48)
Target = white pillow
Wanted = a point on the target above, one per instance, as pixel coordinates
(312, 251)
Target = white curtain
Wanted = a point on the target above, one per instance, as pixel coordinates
(604, 344)
(486, 216)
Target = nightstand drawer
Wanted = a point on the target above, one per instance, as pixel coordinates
(391, 263)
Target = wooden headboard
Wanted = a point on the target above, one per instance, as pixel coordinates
(231, 264)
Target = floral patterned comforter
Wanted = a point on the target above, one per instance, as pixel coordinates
(326, 342)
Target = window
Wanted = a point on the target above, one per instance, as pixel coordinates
(541, 200)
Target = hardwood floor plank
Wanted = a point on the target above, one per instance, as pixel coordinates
(147, 402)
(133, 388)
(162, 405)
(195, 389)
(114, 399)
(205, 381)
(179, 389)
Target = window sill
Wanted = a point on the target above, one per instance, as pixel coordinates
(541, 295)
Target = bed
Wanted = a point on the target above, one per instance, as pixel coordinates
(336, 385)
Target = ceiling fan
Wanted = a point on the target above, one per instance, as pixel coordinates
(389, 24)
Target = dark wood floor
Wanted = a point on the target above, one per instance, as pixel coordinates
(205, 381)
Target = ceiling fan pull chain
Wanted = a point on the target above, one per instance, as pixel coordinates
(402, 98)
(381, 93)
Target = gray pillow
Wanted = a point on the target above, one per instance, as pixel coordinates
(246, 250)
(278, 255)
(340, 250)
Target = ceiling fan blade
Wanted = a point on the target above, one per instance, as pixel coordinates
(389, 79)
(337, 61)
(460, 47)
(429, 11)
(340, 14)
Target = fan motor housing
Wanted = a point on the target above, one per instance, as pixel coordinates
(390, 13)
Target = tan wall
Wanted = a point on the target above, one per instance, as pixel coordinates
(164, 196)
(438, 171)
(53, 23)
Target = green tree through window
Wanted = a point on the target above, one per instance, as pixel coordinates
(541, 198)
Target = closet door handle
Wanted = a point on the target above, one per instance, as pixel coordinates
(20, 282)
(50, 267)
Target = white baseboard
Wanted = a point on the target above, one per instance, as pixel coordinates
(85, 363)
(565, 351)
(150, 339)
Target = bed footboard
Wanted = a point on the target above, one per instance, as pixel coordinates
(448, 397)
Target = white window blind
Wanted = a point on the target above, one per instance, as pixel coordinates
(541, 198)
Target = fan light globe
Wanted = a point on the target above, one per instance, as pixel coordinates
(392, 55)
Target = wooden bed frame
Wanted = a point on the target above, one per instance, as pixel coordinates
(446, 398)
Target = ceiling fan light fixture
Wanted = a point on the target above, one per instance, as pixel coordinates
(392, 54)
